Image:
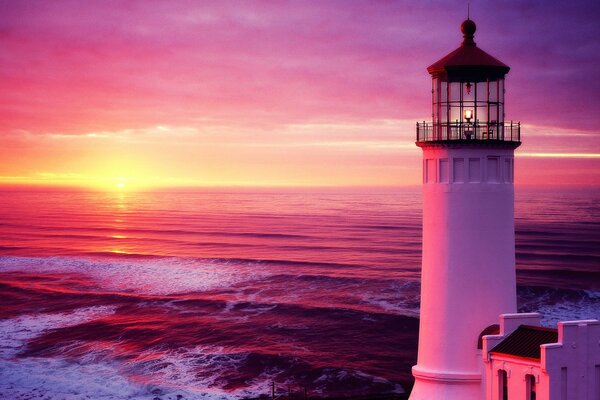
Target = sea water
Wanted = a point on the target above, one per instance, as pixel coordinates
(219, 293)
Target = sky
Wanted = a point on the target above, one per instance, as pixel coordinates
(143, 94)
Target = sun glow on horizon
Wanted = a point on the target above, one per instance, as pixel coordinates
(169, 107)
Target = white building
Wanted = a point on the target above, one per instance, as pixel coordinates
(468, 267)
(528, 362)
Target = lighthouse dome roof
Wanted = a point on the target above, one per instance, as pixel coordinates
(468, 62)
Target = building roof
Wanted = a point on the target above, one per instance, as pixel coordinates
(525, 341)
(490, 330)
(468, 62)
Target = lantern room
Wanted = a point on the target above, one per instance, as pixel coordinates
(468, 96)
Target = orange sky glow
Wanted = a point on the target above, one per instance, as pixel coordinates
(149, 94)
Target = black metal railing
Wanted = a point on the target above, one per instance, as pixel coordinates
(506, 132)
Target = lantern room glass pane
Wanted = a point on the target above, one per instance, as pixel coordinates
(443, 114)
(455, 91)
(443, 92)
(482, 113)
(482, 91)
(455, 113)
(442, 110)
(493, 113)
(493, 89)
(468, 91)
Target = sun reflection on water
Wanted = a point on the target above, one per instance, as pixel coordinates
(117, 251)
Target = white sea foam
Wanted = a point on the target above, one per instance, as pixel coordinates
(561, 304)
(200, 370)
(50, 378)
(86, 378)
(401, 298)
(57, 379)
(586, 307)
(15, 332)
(160, 276)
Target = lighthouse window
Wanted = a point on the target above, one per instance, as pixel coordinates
(503, 385)
(455, 115)
(444, 170)
(494, 116)
(468, 92)
(458, 170)
(493, 91)
(455, 91)
(474, 170)
(531, 390)
(444, 92)
(563, 384)
(492, 169)
(508, 170)
(598, 381)
(482, 114)
(430, 171)
(482, 91)
(435, 90)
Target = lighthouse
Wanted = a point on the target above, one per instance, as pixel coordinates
(468, 266)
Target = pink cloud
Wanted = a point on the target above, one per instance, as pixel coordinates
(69, 67)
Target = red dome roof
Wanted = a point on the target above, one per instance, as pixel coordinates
(468, 62)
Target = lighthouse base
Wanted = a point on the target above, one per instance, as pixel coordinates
(437, 385)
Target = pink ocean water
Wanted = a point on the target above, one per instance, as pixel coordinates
(216, 294)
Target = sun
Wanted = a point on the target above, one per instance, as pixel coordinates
(120, 185)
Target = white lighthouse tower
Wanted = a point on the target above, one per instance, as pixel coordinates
(468, 275)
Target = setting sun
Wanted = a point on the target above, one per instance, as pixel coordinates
(299, 109)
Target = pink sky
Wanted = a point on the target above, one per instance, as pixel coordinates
(159, 93)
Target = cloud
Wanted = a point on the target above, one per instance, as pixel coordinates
(561, 155)
(74, 66)
(308, 78)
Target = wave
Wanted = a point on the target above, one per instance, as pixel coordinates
(154, 276)
(559, 278)
(149, 351)
(167, 231)
(556, 304)
(223, 283)
(240, 279)
(215, 328)
(92, 376)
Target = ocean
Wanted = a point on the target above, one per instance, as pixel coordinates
(217, 294)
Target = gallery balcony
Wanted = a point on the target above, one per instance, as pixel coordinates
(492, 132)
